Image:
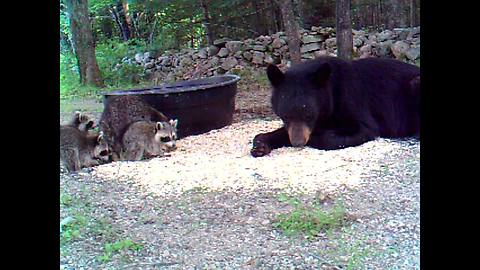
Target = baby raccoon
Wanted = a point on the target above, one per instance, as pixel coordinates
(120, 112)
(79, 149)
(146, 139)
(82, 121)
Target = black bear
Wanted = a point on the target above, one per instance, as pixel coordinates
(329, 103)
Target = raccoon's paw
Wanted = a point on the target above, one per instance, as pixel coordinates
(260, 149)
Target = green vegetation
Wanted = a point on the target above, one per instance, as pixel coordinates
(309, 220)
(109, 56)
(72, 227)
(81, 224)
(118, 246)
(352, 252)
(123, 28)
(251, 78)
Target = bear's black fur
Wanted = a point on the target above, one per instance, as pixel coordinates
(329, 103)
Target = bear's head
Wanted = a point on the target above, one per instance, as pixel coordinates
(301, 97)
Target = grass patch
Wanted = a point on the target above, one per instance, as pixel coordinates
(308, 220)
(116, 73)
(72, 227)
(66, 199)
(117, 247)
(251, 78)
(103, 228)
(351, 253)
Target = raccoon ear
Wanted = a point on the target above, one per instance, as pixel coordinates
(100, 136)
(158, 126)
(174, 123)
(77, 115)
(275, 75)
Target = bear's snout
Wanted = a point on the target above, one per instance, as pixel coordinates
(298, 133)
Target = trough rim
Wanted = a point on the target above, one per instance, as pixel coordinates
(173, 88)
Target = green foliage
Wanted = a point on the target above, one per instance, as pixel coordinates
(66, 199)
(308, 220)
(251, 78)
(72, 229)
(289, 200)
(69, 79)
(118, 246)
(351, 251)
(114, 72)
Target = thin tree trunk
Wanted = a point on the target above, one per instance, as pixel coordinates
(397, 16)
(65, 44)
(192, 37)
(116, 19)
(272, 17)
(344, 30)
(128, 19)
(124, 27)
(413, 13)
(206, 22)
(152, 32)
(259, 24)
(374, 17)
(84, 46)
(299, 14)
(291, 30)
(134, 20)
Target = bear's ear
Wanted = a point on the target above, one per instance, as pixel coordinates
(275, 75)
(322, 73)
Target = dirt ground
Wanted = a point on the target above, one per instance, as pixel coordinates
(212, 206)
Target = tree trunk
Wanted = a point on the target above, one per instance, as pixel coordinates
(344, 30)
(299, 12)
(124, 27)
(206, 23)
(128, 19)
(82, 39)
(259, 24)
(152, 31)
(65, 43)
(272, 17)
(134, 20)
(397, 16)
(413, 13)
(291, 30)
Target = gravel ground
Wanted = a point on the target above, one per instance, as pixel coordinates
(210, 205)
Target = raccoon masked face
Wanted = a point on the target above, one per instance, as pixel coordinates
(101, 151)
(83, 121)
(166, 133)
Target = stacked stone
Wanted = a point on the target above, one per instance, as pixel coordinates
(226, 54)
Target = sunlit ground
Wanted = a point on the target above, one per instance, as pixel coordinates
(220, 160)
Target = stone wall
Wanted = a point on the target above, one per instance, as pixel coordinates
(227, 54)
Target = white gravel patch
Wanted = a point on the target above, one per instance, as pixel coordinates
(221, 160)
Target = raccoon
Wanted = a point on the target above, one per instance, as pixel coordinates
(120, 112)
(82, 121)
(79, 149)
(146, 139)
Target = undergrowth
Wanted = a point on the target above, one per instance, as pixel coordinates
(309, 220)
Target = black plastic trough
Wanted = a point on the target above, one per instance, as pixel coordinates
(199, 105)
